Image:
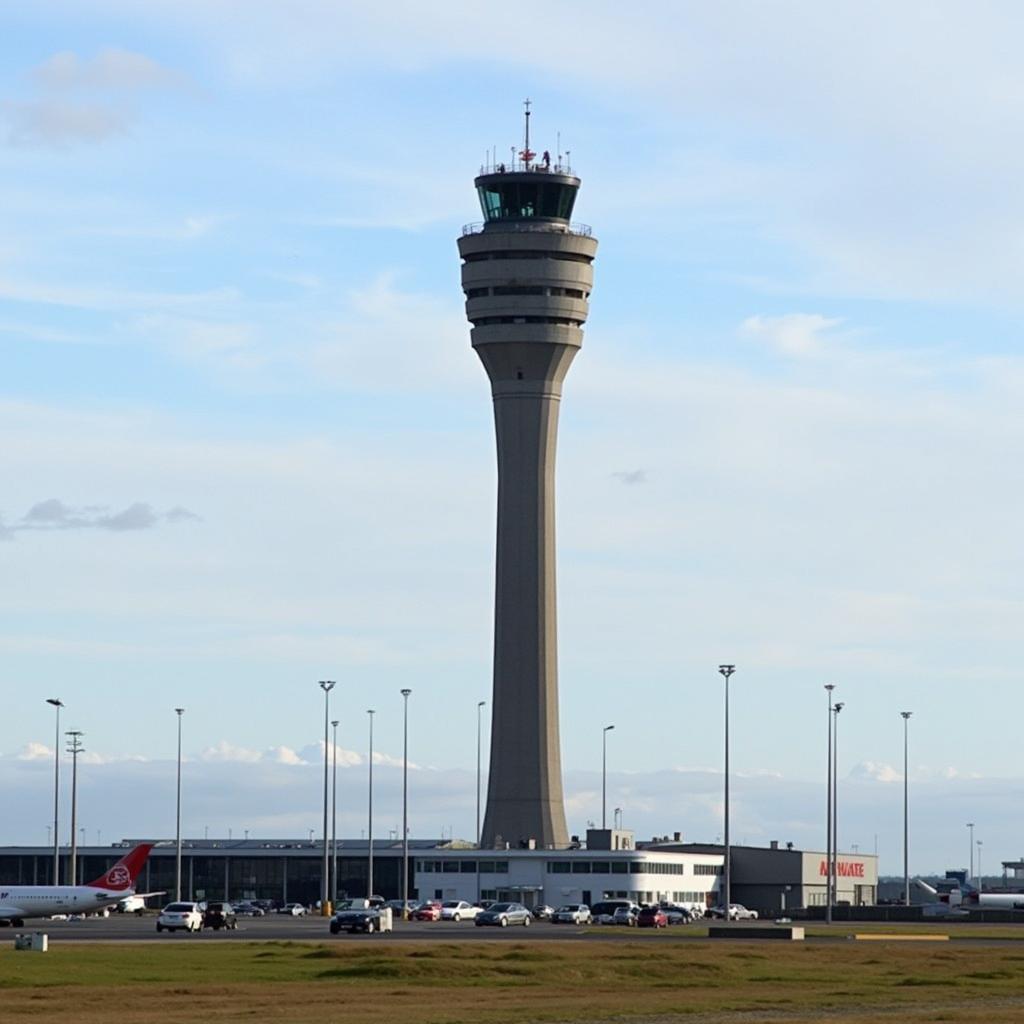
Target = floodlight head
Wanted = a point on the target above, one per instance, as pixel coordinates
(406, 692)
(55, 701)
(327, 685)
(335, 722)
(838, 706)
(179, 711)
(905, 714)
(830, 687)
(607, 728)
(727, 670)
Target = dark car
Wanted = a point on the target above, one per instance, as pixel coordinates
(651, 917)
(219, 915)
(543, 912)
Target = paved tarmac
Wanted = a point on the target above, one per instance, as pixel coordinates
(136, 928)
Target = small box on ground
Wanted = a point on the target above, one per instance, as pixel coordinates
(36, 942)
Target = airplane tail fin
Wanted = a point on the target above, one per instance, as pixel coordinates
(121, 877)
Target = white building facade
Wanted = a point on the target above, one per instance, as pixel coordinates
(558, 877)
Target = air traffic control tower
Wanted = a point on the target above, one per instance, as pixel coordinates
(527, 273)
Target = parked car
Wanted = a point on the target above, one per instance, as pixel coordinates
(504, 914)
(543, 912)
(219, 915)
(677, 915)
(396, 907)
(737, 912)
(458, 910)
(603, 912)
(572, 913)
(359, 915)
(294, 909)
(626, 916)
(247, 909)
(430, 910)
(651, 917)
(180, 917)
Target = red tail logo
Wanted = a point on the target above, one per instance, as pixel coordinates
(122, 875)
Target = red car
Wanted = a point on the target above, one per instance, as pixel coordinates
(651, 917)
(429, 911)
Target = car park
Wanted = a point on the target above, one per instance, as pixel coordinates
(651, 917)
(294, 909)
(428, 911)
(504, 914)
(219, 915)
(626, 916)
(458, 910)
(175, 917)
(572, 913)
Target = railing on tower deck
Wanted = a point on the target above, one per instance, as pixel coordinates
(515, 164)
(529, 224)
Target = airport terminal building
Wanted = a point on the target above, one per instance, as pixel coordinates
(609, 864)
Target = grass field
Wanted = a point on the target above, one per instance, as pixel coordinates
(424, 983)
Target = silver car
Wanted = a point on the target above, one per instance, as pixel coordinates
(504, 914)
(572, 913)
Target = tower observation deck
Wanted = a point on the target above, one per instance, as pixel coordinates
(527, 272)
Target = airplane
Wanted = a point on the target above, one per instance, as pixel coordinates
(17, 903)
(959, 894)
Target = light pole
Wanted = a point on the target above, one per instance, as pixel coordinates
(405, 804)
(480, 705)
(970, 876)
(981, 874)
(74, 749)
(334, 814)
(604, 775)
(326, 685)
(57, 704)
(905, 715)
(829, 687)
(836, 708)
(177, 816)
(369, 822)
(726, 671)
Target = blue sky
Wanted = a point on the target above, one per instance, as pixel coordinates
(247, 444)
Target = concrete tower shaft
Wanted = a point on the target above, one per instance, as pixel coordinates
(527, 275)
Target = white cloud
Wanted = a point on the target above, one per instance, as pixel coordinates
(873, 771)
(60, 124)
(795, 334)
(35, 752)
(111, 69)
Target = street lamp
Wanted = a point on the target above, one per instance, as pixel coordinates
(334, 814)
(905, 715)
(74, 749)
(829, 687)
(177, 833)
(604, 775)
(326, 685)
(836, 708)
(405, 804)
(981, 874)
(369, 822)
(57, 704)
(970, 876)
(726, 671)
(480, 705)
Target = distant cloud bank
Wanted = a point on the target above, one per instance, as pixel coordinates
(53, 514)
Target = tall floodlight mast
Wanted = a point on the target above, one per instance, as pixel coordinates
(527, 273)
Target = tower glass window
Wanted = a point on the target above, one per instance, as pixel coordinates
(519, 200)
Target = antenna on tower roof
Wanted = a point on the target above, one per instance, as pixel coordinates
(527, 154)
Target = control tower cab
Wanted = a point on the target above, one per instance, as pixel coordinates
(527, 272)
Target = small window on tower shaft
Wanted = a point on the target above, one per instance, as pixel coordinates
(519, 374)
